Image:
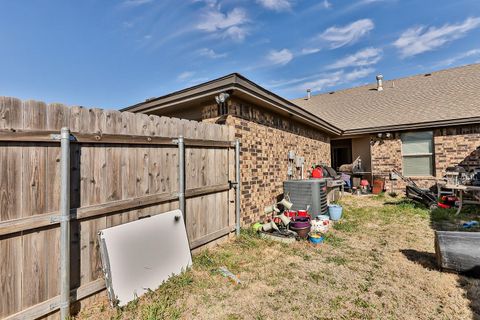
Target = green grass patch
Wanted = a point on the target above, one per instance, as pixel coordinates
(440, 215)
(380, 196)
(339, 261)
(333, 240)
(346, 226)
(359, 302)
(316, 276)
(337, 302)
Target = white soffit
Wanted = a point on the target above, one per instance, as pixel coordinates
(139, 256)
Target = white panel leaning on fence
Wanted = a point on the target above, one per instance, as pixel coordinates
(123, 166)
(139, 256)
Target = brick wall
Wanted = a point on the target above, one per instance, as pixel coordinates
(265, 140)
(453, 146)
(460, 145)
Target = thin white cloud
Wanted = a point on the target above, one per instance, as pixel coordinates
(421, 39)
(459, 57)
(195, 81)
(351, 33)
(237, 33)
(227, 25)
(362, 58)
(332, 79)
(135, 3)
(185, 75)
(280, 57)
(363, 2)
(306, 51)
(276, 5)
(321, 5)
(210, 3)
(210, 53)
(326, 4)
(358, 74)
(289, 82)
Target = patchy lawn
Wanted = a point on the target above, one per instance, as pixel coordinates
(378, 263)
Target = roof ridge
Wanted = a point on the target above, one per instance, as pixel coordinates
(396, 79)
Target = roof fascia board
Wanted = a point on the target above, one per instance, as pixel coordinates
(157, 106)
(233, 82)
(179, 96)
(285, 105)
(312, 120)
(414, 126)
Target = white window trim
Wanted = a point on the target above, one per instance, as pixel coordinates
(413, 155)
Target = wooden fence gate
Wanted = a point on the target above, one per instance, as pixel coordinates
(123, 166)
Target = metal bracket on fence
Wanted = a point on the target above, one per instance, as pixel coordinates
(60, 218)
(232, 184)
(175, 141)
(56, 136)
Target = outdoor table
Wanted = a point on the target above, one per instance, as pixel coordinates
(459, 190)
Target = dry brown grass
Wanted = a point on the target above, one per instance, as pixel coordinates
(377, 264)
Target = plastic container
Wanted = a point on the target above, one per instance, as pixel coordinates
(303, 213)
(315, 238)
(378, 186)
(317, 173)
(300, 222)
(335, 212)
(291, 213)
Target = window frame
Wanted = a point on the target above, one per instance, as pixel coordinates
(431, 154)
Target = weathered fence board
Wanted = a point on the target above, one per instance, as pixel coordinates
(124, 166)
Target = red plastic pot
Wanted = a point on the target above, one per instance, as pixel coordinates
(291, 214)
(303, 213)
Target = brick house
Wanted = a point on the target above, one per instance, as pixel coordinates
(418, 125)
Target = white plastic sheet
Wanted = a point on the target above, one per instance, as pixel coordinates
(140, 255)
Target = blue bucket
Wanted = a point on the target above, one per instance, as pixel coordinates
(335, 212)
(315, 240)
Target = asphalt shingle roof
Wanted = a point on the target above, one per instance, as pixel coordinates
(442, 95)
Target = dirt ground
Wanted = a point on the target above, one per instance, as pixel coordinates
(378, 263)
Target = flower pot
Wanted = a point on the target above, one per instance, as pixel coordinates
(335, 212)
(302, 232)
(300, 222)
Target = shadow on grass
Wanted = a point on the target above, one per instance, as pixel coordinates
(426, 259)
(446, 220)
(469, 281)
(405, 202)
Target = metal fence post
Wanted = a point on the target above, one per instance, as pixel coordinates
(181, 176)
(65, 224)
(237, 186)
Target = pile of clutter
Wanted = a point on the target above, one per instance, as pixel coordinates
(286, 225)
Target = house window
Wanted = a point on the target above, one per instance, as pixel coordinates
(417, 153)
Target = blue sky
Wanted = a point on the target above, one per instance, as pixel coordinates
(112, 54)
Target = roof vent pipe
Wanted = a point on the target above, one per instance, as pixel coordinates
(379, 82)
(309, 94)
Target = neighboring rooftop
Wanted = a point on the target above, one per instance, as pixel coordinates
(445, 97)
(242, 87)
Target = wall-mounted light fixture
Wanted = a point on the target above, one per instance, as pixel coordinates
(221, 100)
(380, 137)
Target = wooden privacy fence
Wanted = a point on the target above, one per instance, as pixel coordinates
(123, 167)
